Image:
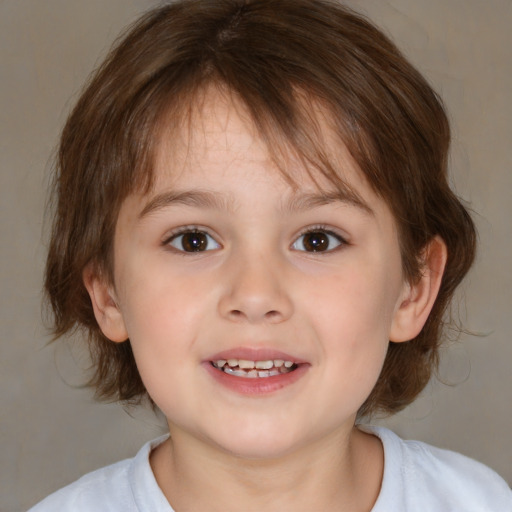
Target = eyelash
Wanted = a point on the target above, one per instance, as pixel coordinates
(320, 229)
(323, 230)
(167, 242)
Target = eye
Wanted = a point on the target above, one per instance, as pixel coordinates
(192, 241)
(318, 240)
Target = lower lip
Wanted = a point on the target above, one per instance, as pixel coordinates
(258, 385)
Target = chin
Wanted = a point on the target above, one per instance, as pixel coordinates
(259, 451)
(255, 444)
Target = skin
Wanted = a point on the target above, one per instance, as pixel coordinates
(258, 287)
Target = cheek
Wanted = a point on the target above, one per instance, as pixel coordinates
(155, 321)
(156, 299)
(357, 304)
(353, 317)
(161, 341)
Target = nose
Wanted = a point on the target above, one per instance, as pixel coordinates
(255, 291)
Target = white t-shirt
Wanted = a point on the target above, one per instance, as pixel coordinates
(417, 477)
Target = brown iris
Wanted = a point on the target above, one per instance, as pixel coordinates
(316, 241)
(194, 241)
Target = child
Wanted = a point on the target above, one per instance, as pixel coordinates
(254, 228)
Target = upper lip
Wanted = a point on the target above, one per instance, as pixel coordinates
(255, 354)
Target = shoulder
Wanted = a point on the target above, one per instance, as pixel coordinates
(98, 490)
(120, 487)
(435, 479)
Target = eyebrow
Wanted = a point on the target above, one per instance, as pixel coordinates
(210, 200)
(197, 198)
(313, 200)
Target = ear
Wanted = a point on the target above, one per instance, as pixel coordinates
(418, 298)
(104, 302)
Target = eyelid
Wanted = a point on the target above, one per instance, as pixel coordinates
(328, 230)
(183, 230)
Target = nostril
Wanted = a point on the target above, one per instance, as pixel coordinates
(269, 315)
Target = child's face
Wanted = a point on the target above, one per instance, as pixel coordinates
(255, 290)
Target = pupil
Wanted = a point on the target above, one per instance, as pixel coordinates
(316, 242)
(194, 242)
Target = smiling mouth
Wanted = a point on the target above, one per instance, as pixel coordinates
(254, 369)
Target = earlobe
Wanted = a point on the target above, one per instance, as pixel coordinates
(418, 298)
(104, 303)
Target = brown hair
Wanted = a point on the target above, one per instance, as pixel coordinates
(271, 54)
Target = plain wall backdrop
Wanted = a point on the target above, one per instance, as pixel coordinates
(51, 430)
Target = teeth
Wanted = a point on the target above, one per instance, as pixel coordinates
(254, 369)
(264, 365)
(236, 373)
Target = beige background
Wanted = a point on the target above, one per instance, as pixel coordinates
(51, 431)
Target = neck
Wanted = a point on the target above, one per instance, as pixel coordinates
(339, 473)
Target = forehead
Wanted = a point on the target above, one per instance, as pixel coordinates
(217, 136)
(218, 164)
(215, 131)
